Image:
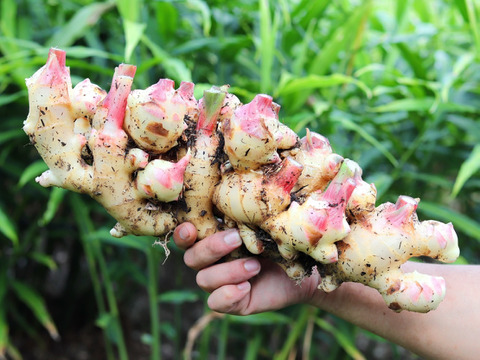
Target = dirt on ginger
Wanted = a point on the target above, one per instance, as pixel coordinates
(156, 157)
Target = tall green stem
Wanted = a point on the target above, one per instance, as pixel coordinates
(80, 213)
(94, 252)
(152, 296)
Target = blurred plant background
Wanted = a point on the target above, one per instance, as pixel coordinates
(395, 85)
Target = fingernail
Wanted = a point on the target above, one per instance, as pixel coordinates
(251, 265)
(243, 286)
(184, 233)
(232, 239)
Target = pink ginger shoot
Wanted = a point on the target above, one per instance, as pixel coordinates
(286, 178)
(155, 116)
(162, 180)
(116, 99)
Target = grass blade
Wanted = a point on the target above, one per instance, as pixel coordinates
(31, 172)
(267, 46)
(340, 40)
(341, 338)
(54, 201)
(298, 326)
(37, 305)
(467, 169)
(3, 317)
(133, 34)
(348, 124)
(7, 227)
(78, 25)
(422, 104)
(472, 20)
(318, 82)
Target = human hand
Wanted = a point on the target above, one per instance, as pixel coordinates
(242, 286)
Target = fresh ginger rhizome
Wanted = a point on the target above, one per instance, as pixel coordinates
(157, 157)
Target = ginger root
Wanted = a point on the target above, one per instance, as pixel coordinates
(157, 157)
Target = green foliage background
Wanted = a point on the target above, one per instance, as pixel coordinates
(394, 85)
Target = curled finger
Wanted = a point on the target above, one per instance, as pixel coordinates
(232, 272)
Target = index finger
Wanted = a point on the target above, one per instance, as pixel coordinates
(185, 235)
(211, 249)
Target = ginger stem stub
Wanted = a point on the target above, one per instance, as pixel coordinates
(157, 157)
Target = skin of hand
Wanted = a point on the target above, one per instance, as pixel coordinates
(242, 286)
(251, 285)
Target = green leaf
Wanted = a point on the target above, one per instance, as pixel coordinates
(178, 296)
(31, 172)
(43, 259)
(142, 243)
(266, 318)
(78, 25)
(472, 20)
(340, 40)
(266, 46)
(129, 9)
(467, 170)
(37, 305)
(133, 34)
(342, 339)
(3, 332)
(348, 124)
(3, 317)
(318, 82)
(10, 98)
(204, 10)
(423, 104)
(56, 197)
(461, 222)
(10, 135)
(7, 227)
(175, 68)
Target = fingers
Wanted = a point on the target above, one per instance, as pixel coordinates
(231, 299)
(185, 235)
(211, 249)
(232, 272)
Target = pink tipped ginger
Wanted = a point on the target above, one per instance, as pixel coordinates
(252, 133)
(155, 116)
(381, 242)
(156, 157)
(315, 226)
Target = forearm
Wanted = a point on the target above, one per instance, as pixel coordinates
(449, 332)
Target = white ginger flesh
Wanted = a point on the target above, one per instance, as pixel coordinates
(156, 157)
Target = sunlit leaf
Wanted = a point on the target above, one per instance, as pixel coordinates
(78, 25)
(178, 296)
(266, 318)
(133, 34)
(423, 104)
(318, 82)
(467, 170)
